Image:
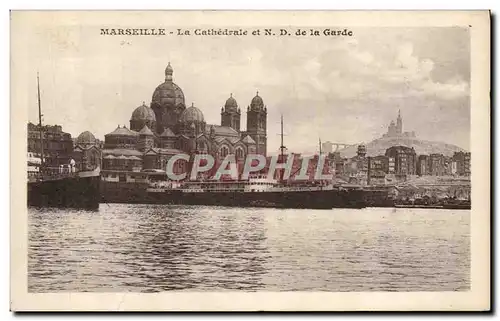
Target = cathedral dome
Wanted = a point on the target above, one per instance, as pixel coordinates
(192, 114)
(231, 103)
(167, 95)
(167, 102)
(257, 102)
(142, 113)
(85, 138)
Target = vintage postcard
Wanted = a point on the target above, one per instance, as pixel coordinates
(250, 161)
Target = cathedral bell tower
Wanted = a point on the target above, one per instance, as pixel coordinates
(257, 124)
(230, 114)
(399, 124)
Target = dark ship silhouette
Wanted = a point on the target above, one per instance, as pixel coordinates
(256, 191)
(63, 187)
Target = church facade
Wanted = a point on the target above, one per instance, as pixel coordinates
(395, 130)
(168, 127)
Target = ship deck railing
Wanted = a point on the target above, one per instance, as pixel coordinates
(245, 189)
(50, 177)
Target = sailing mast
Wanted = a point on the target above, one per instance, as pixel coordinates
(282, 148)
(319, 146)
(40, 121)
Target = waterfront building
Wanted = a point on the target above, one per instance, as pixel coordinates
(448, 166)
(404, 161)
(378, 168)
(437, 164)
(423, 165)
(87, 152)
(392, 165)
(454, 167)
(356, 168)
(337, 163)
(462, 160)
(57, 145)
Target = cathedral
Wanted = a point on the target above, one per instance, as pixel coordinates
(395, 130)
(167, 127)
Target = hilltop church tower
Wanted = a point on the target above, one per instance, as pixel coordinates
(257, 124)
(399, 124)
(396, 129)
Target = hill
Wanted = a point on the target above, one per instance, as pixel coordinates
(380, 145)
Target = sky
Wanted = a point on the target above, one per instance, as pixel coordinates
(339, 89)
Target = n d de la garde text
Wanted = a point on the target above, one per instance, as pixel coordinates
(281, 32)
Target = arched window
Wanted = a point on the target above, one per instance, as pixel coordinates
(239, 153)
(202, 147)
(223, 151)
(93, 160)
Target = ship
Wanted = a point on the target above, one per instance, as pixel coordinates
(256, 191)
(63, 187)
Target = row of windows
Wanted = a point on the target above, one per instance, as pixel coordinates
(115, 175)
(224, 151)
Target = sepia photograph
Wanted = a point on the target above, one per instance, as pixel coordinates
(223, 161)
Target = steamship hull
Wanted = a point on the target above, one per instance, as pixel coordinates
(69, 192)
(321, 199)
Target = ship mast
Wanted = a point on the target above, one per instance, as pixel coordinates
(282, 147)
(40, 121)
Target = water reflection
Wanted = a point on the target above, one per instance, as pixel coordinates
(159, 248)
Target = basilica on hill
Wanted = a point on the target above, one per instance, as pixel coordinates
(167, 127)
(396, 129)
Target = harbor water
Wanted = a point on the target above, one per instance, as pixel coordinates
(154, 248)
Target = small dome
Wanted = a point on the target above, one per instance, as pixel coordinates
(143, 113)
(257, 102)
(231, 103)
(86, 138)
(192, 114)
